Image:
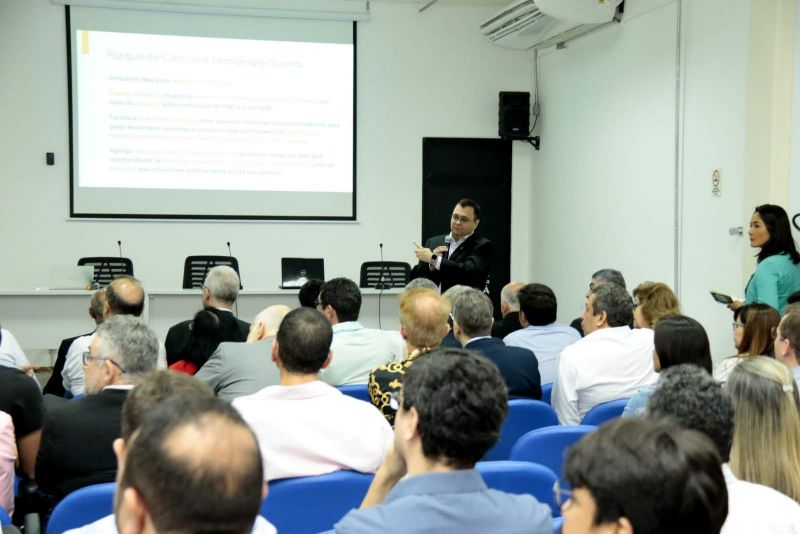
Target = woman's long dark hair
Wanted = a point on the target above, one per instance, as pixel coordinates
(679, 339)
(780, 233)
(205, 337)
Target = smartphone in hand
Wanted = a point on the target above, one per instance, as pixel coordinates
(722, 298)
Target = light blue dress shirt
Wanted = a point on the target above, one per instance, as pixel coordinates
(774, 279)
(546, 342)
(456, 501)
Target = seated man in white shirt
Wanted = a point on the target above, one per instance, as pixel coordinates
(611, 362)
(540, 333)
(692, 398)
(124, 296)
(356, 350)
(304, 426)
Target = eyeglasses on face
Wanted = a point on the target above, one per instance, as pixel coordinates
(87, 357)
(461, 219)
(561, 496)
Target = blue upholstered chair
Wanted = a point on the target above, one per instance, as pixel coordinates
(546, 446)
(604, 412)
(4, 518)
(558, 522)
(357, 391)
(547, 392)
(81, 507)
(313, 504)
(521, 478)
(524, 415)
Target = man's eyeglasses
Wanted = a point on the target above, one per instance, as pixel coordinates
(461, 219)
(561, 495)
(87, 357)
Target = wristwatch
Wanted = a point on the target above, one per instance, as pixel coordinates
(434, 257)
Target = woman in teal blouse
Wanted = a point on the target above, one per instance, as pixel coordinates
(778, 272)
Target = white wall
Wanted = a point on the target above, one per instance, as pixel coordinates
(428, 74)
(603, 193)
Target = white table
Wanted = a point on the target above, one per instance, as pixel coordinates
(40, 319)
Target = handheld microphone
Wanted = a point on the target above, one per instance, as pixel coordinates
(447, 240)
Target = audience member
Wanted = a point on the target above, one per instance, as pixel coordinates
(778, 272)
(449, 340)
(124, 296)
(155, 387)
(421, 282)
(55, 385)
(652, 302)
(600, 277)
(752, 336)
(21, 399)
(423, 323)
(11, 354)
(766, 439)
(541, 334)
(192, 466)
(450, 411)
(220, 290)
(644, 477)
(472, 323)
(693, 399)
(509, 310)
(793, 308)
(794, 298)
(205, 337)
(237, 369)
(677, 340)
(356, 350)
(77, 436)
(309, 292)
(304, 426)
(787, 344)
(611, 362)
(8, 460)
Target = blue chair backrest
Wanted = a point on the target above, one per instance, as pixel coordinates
(546, 446)
(547, 392)
(521, 478)
(524, 415)
(81, 507)
(558, 522)
(313, 504)
(4, 518)
(604, 412)
(357, 391)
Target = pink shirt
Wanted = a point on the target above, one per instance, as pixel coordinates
(313, 429)
(8, 458)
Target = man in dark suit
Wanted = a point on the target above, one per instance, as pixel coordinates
(472, 324)
(220, 289)
(461, 257)
(77, 436)
(509, 309)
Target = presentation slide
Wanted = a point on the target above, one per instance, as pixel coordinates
(198, 126)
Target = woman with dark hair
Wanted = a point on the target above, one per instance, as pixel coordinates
(778, 272)
(677, 339)
(752, 336)
(206, 335)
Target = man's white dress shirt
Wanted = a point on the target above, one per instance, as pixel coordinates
(356, 352)
(755, 508)
(608, 364)
(72, 374)
(11, 354)
(313, 429)
(107, 525)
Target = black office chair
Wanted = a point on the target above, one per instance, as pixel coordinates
(195, 269)
(107, 268)
(384, 275)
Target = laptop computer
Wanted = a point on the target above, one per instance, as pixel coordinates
(297, 271)
(71, 277)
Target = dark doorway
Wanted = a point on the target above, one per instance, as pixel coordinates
(456, 168)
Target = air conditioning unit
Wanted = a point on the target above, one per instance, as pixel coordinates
(534, 24)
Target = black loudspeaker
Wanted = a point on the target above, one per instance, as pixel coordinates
(513, 121)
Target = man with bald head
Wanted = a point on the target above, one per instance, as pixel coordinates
(509, 309)
(124, 296)
(237, 369)
(220, 290)
(423, 324)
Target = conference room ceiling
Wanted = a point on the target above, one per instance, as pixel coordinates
(451, 2)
